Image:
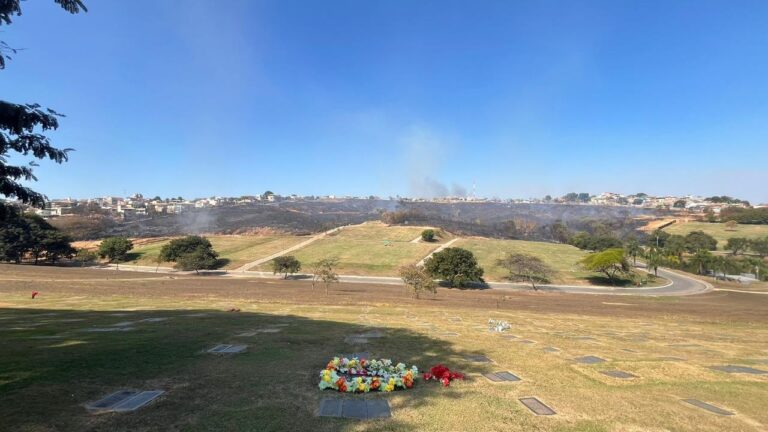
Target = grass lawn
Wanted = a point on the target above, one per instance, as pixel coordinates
(562, 258)
(719, 231)
(237, 250)
(368, 249)
(50, 367)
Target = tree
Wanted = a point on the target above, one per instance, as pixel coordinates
(759, 247)
(190, 253)
(115, 249)
(324, 271)
(679, 203)
(19, 124)
(171, 251)
(675, 245)
(701, 260)
(560, 232)
(731, 225)
(56, 245)
(526, 267)
(654, 260)
(456, 266)
(428, 235)
(418, 279)
(633, 249)
(610, 262)
(84, 256)
(699, 240)
(737, 244)
(285, 264)
(201, 258)
(725, 265)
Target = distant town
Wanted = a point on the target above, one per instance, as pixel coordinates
(137, 205)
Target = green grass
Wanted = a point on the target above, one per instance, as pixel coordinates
(369, 249)
(236, 250)
(562, 258)
(719, 231)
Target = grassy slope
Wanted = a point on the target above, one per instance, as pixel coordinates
(368, 249)
(718, 230)
(44, 382)
(562, 258)
(237, 249)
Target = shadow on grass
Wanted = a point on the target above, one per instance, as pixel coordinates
(50, 366)
(605, 281)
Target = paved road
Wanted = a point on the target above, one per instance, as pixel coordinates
(679, 284)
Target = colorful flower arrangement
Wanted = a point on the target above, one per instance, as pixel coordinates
(362, 376)
(443, 374)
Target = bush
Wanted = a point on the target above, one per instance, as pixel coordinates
(285, 264)
(428, 235)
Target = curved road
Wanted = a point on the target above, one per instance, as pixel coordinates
(679, 284)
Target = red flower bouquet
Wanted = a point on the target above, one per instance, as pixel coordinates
(443, 374)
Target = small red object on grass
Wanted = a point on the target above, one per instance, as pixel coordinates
(34, 294)
(234, 310)
(443, 374)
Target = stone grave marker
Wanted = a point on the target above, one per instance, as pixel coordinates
(137, 401)
(551, 349)
(584, 338)
(361, 409)
(526, 341)
(478, 359)
(670, 358)
(108, 329)
(618, 374)
(227, 349)
(449, 334)
(123, 324)
(247, 334)
(373, 334)
(709, 407)
(739, 369)
(589, 359)
(359, 355)
(502, 376)
(155, 319)
(269, 330)
(355, 340)
(123, 401)
(536, 406)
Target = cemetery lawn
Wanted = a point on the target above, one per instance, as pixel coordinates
(371, 249)
(50, 366)
(719, 231)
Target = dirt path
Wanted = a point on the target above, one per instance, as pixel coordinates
(441, 247)
(285, 251)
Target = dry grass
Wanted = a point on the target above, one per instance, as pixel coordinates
(719, 231)
(368, 249)
(44, 382)
(564, 259)
(235, 249)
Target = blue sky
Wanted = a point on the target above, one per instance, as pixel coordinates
(521, 98)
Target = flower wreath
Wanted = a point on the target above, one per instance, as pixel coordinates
(362, 376)
(443, 374)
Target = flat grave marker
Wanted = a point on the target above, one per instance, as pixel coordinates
(227, 349)
(739, 369)
(536, 406)
(269, 330)
(375, 333)
(449, 334)
(526, 341)
(123, 324)
(670, 358)
(478, 359)
(589, 359)
(509, 337)
(360, 409)
(108, 329)
(585, 338)
(359, 355)
(137, 401)
(355, 340)
(551, 349)
(110, 400)
(155, 319)
(709, 407)
(501, 376)
(618, 374)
